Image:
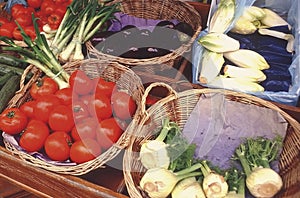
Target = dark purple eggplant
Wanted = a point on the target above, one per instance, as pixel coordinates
(165, 36)
(166, 23)
(100, 36)
(185, 31)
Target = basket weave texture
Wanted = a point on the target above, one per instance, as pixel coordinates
(125, 80)
(177, 106)
(159, 10)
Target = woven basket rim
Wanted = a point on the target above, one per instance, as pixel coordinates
(104, 157)
(133, 190)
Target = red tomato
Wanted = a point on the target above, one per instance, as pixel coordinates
(108, 132)
(24, 17)
(123, 105)
(34, 3)
(28, 107)
(42, 87)
(34, 136)
(84, 150)
(57, 146)
(3, 20)
(42, 18)
(100, 107)
(104, 87)
(13, 121)
(7, 29)
(151, 100)
(60, 1)
(47, 7)
(44, 105)
(17, 34)
(54, 18)
(16, 9)
(86, 99)
(61, 8)
(80, 82)
(80, 110)
(66, 95)
(85, 128)
(30, 31)
(61, 118)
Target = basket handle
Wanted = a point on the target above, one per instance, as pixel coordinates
(150, 87)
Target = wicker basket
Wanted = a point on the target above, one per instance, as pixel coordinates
(125, 79)
(159, 10)
(178, 107)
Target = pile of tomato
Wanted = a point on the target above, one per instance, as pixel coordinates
(74, 124)
(48, 12)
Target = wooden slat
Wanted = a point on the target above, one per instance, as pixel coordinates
(47, 184)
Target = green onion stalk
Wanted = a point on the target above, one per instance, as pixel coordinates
(79, 24)
(39, 54)
(255, 156)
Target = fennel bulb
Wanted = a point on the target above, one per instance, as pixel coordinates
(159, 182)
(188, 186)
(255, 156)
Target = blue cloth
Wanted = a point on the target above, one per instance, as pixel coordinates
(10, 3)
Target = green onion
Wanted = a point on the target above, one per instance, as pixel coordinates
(80, 23)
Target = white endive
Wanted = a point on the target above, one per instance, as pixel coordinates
(211, 65)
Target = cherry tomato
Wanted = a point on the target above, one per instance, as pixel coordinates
(17, 34)
(60, 1)
(85, 128)
(3, 20)
(13, 121)
(42, 87)
(47, 7)
(151, 100)
(44, 105)
(30, 31)
(54, 19)
(57, 146)
(80, 110)
(108, 132)
(84, 150)
(34, 3)
(104, 87)
(86, 99)
(100, 107)
(42, 18)
(80, 82)
(61, 9)
(7, 29)
(34, 136)
(66, 95)
(61, 118)
(28, 107)
(16, 9)
(24, 18)
(123, 105)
